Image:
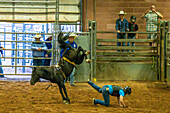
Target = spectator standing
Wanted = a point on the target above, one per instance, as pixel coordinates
(46, 53)
(121, 26)
(39, 49)
(152, 18)
(132, 28)
(73, 44)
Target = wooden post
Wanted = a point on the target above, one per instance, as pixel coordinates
(166, 37)
(163, 50)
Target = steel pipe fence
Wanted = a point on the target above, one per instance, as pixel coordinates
(158, 55)
(105, 50)
(16, 48)
(55, 49)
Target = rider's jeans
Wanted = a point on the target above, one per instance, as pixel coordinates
(72, 78)
(105, 93)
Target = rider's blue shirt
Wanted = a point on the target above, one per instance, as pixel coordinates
(74, 45)
(121, 92)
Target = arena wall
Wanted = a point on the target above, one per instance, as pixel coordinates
(10, 14)
(106, 14)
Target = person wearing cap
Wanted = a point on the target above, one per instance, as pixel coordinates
(38, 51)
(132, 28)
(121, 26)
(112, 90)
(1, 70)
(48, 54)
(73, 44)
(152, 18)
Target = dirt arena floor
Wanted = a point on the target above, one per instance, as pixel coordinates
(21, 97)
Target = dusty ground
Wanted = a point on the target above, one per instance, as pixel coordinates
(21, 97)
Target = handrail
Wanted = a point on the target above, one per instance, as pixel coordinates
(52, 12)
(139, 32)
(21, 7)
(125, 53)
(126, 40)
(39, 2)
(124, 58)
(25, 58)
(24, 49)
(42, 33)
(23, 66)
(125, 48)
(26, 41)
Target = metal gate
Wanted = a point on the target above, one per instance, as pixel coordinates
(165, 56)
(83, 69)
(146, 63)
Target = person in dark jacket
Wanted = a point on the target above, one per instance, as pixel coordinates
(132, 28)
(48, 54)
(112, 90)
(73, 44)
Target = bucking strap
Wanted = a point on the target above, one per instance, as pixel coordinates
(64, 58)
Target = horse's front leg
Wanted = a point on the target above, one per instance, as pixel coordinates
(61, 92)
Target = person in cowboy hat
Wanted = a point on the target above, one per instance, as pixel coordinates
(112, 90)
(48, 54)
(38, 51)
(121, 26)
(73, 44)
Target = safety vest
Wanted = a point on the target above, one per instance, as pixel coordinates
(116, 90)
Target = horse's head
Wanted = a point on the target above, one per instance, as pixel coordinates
(34, 77)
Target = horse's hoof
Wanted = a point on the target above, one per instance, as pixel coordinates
(66, 102)
(88, 60)
(88, 52)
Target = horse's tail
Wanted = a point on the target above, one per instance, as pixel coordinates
(76, 70)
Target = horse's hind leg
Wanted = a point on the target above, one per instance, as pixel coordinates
(61, 92)
(65, 92)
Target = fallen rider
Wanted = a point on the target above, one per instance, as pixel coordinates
(112, 90)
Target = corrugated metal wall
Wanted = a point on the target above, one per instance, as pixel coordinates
(39, 10)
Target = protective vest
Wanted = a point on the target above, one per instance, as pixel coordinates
(116, 90)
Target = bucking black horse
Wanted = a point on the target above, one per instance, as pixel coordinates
(67, 63)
